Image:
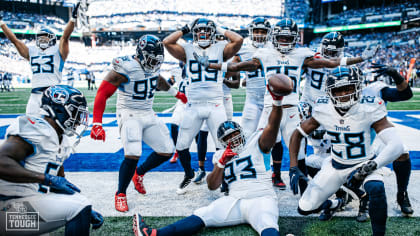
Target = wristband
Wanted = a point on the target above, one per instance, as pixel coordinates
(303, 133)
(172, 91)
(277, 103)
(220, 165)
(343, 61)
(220, 30)
(224, 67)
(73, 20)
(97, 123)
(2, 22)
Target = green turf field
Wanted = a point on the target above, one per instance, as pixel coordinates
(342, 226)
(15, 102)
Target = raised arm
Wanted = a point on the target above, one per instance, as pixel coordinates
(20, 46)
(64, 41)
(233, 46)
(401, 93)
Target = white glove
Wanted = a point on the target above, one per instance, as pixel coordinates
(370, 52)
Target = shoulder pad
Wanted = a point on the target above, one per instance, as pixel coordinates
(368, 99)
(30, 128)
(119, 64)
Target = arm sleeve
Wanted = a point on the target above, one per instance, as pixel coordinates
(393, 147)
(105, 90)
(393, 95)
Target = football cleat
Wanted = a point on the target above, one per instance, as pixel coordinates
(363, 214)
(405, 205)
(138, 183)
(278, 182)
(327, 214)
(199, 176)
(174, 157)
(121, 202)
(140, 228)
(182, 187)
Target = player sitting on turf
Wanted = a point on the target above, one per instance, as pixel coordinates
(348, 119)
(31, 166)
(245, 166)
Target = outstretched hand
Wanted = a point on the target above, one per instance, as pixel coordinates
(203, 60)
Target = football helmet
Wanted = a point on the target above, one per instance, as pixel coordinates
(305, 110)
(285, 35)
(237, 142)
(344, 86)
(45, 38)
(332, 45)
(150, 53)
(204, 32)
(258, 39)
(67, 107)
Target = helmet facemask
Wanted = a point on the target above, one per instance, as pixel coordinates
(235, 138)
(344, 94)
(151, 62)
(284, 41)
(203, 35)
(45, 40)
(258, 37)
(331, 51)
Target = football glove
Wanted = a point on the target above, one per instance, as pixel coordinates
(203, 60)
(356, 178)
(97, 132)
(96, 220)
(75, 10)
(382, 69)
(188, 27)
(369, 52)
(60, 184)
(181, 96)
(296, 175)
(275, 97)
(228, 154)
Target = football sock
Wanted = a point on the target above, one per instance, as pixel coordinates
(80, 224)
(153, 160)
(187, 226)
(270, 232)
(277, 155)
(377, 206)
(402, 172)
(202, 168)
(184, 157)
(127, 168)
(174, 132)
(202, 145)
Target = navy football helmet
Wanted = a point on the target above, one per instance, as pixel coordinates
(305, 110)
(204, 32)
(285, 35)
(344, 86)
(67, 107)
(237, 142)
(259, 40)
(332, 45)
(45, 38)
(150, 53)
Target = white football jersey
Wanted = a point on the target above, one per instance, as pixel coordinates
(138, 92)
(204, 84)
(48, 154)
(255, 81)
(47, 66)
(290, 64)
(374, 89)
(249, 173)
(350, 134)
(315, 84)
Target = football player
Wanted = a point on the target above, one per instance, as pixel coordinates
(46, 59)
(401, 166)
(285, 58)
(205, 89)
(136, 77)
(31, 166)
(348, 118)
(244, 164)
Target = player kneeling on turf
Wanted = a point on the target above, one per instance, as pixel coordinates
(348, 119)
(245, 166)
(31, 168)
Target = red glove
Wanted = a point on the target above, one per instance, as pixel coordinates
(181, 96)
(97, 132)
(228, 154)
(275, 97)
